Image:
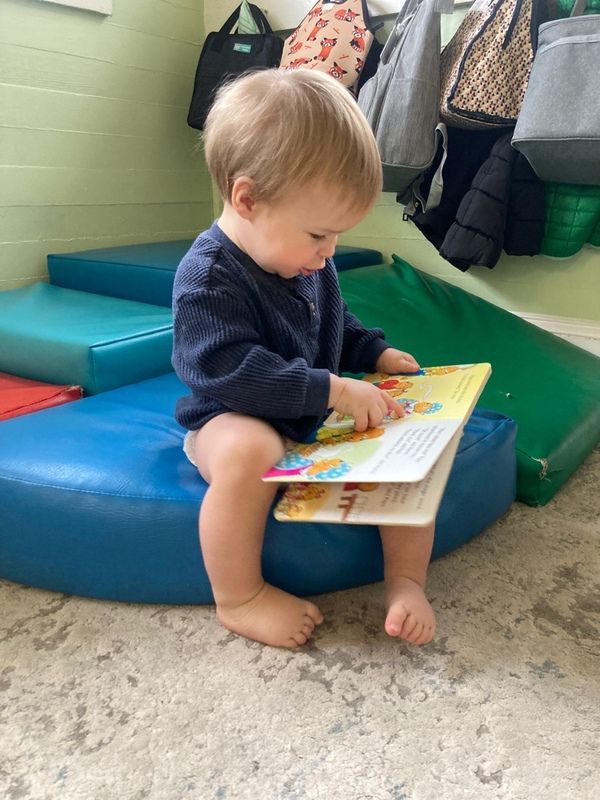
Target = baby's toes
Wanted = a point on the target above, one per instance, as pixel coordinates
(427, 635)
(314, 613)
(300, 638)
(395, 622)
(415, 633)
(410, 627)
(423, 635)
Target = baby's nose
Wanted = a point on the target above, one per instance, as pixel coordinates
(328, 248)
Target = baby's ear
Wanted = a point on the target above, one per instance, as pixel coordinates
(242, 199)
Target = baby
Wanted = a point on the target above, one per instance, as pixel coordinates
(262, 335)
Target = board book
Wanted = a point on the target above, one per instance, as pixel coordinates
(394, 473)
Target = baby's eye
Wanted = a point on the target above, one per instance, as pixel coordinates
(317, 237)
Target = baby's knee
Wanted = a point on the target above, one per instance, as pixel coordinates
(246, 447)
(259, 449)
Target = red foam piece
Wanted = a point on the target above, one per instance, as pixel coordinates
(22, 396)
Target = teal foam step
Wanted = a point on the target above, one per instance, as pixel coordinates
(63, 336)
(145, 272)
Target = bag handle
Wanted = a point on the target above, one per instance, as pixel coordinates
(367, 18)
(437, 182)
(260, 18)
(513, 22)
(225, 29)
(420, 202)
(578, 8)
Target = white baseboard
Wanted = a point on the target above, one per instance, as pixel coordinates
(563, 326)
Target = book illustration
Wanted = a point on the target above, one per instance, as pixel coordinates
(370, 503)
(436, 402)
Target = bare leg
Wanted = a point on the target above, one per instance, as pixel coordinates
(232, 452)
(406, 553)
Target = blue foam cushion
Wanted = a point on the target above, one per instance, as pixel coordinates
(67, 337)
(145, 272)
(346, 257)
(97, 499)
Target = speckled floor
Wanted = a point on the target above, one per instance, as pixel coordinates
(100, 700)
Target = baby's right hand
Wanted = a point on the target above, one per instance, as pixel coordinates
(364, 401)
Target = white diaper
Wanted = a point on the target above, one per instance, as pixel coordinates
(189, 441)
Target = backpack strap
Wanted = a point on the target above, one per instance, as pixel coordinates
(578, 8)
(419, 202)
(225, 29)
(260, 18)
(230, 22)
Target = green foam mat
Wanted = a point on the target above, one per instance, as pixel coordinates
(550, 387)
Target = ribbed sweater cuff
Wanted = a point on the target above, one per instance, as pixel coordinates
(317, 392)
(371, 353)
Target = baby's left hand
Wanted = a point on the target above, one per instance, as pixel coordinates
(392, 361)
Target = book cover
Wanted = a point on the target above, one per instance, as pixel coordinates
(370, 503)
(436, 401)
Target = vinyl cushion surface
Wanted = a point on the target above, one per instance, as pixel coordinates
(98, 499)
(145, 272)
(62, 336)
(20, 396)
(550, 387)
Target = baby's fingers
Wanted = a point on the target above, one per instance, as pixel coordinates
(376, 414)
(361, 420)
(393, 408)
(407, 363)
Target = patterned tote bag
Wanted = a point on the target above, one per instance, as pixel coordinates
(335, 37)
(485, 66)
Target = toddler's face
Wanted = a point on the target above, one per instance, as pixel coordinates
(294, 235)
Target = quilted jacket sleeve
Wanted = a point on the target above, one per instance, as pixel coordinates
(564, 7)
(572, 218)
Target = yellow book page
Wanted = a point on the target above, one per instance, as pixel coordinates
(436, 402)
(370, 503)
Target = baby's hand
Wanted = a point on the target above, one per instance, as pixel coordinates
(392, 361)
(364, 401)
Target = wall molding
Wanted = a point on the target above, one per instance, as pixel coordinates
(98, 6)
(567, 326)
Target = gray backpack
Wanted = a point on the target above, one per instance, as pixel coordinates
(558, 129)
(401, 101)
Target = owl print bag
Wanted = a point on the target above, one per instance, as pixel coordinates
(335, 37)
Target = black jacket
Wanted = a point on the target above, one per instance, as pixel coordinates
(492, 200)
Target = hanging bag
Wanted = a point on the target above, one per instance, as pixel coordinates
(485, 66)
(227, 54)
(558, 129)
(334, 38)
(401, 101)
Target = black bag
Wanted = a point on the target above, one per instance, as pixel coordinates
(226, 54)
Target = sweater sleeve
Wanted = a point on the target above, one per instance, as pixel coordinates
(217, 353)
(361, 346)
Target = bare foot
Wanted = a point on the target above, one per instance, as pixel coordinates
(272, 617)
(409, 615)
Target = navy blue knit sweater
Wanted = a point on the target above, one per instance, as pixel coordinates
(250, 341)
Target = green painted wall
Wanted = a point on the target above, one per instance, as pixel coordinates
(94, 146)
(95, 152)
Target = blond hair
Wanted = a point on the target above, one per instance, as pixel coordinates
(284, 129)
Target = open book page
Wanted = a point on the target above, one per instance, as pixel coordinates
(436, 401)
(370, 503)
